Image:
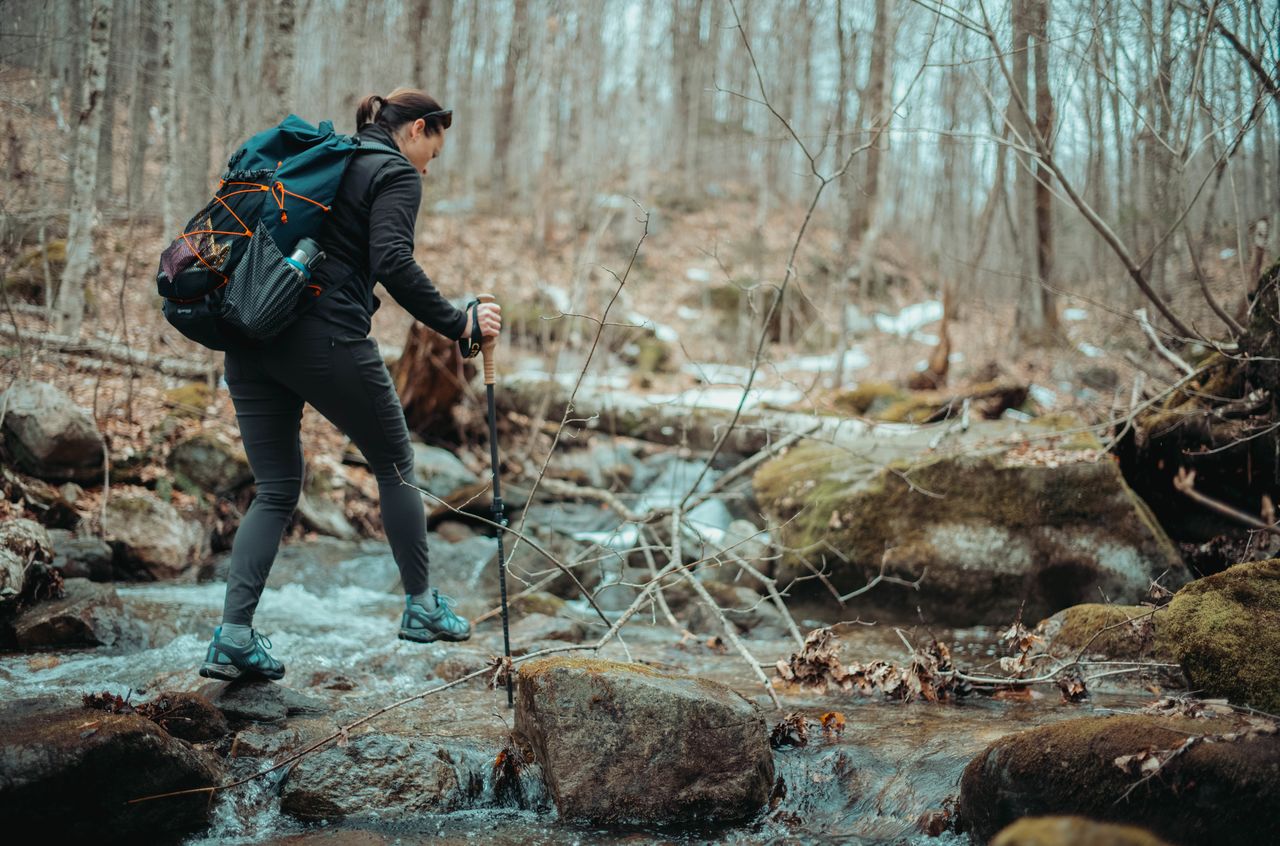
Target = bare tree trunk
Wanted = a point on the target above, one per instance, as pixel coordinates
(84, 164)
(277, 73)
(874, 104)
(169, 118)
(1029, 318)
(140, 102)
(503, 130)
(1043, 176)
(104, 179)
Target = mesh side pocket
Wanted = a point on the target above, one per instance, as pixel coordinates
(262, 297)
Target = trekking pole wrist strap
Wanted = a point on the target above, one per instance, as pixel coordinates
(470, 345)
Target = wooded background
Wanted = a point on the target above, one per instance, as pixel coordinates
(1160, 116)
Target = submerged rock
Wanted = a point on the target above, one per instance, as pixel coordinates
(48, 435)
(67, 773)
(626, 743)
(1210, 792)
(1073, 831)
(386, 775)
(1225, 631)
(88, 614)
(149, 535)
(989, 531)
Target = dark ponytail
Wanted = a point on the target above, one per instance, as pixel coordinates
(400, 107)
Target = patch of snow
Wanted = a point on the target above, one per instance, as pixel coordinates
(1090, 350)
(1044, 397)
(854, 359)
(1227, 254)
(1015, 414)
(697, 274)
(1075, 314)
(910, 318)
(686, 313)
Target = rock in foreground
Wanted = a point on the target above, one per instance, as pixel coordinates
(1212, 791)
(1225, 631)
(1072, 831)
(88, 614)
(624, 743)
(67, 774)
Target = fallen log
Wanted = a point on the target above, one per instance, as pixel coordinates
(116, 352)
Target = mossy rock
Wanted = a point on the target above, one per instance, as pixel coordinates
(538, 602)
(993, 532)
(1211, 792)
(1119, 632)
(1073, 831)
(210, 463)
(1225, 631)
(868, 398)
(191, 399)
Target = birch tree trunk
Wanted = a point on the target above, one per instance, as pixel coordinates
(169, 119)
(84, 164)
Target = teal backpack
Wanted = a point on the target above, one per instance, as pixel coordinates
(240, 269)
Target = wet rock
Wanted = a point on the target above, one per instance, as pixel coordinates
(625, 743)
(1115, 632)
(48, 435)
(322, 507)
(81, 556)
(67, 773)
(459, 664)
(398, 776)
(1072, 831)
(212, 462)
(439, 472)
(22, 544)
(186, 715)
(260, 701)
(535, 627)
(88, 614)
(1225, 631)
(1208, 793)
(994, 530)
(268, 741)
(150, 537)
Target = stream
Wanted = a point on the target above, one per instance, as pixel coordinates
(331, 608)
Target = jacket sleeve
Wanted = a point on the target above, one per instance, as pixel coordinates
(397, 191)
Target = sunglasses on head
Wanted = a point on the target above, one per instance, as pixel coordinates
(445, 115)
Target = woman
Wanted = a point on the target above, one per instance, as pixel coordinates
(327, 359)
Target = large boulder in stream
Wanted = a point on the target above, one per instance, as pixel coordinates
(150, 537)
(1225, 631)
(994, 525)
(1188, 780)
(67, 775)
(623, 743)
(48, 435)
(87, 614)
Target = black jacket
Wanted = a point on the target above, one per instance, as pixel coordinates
(368, 237)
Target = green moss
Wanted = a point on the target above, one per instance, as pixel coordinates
(916, 408)
(539, 602)
(1105, 630)
(1071, 831)
(1067, 422)
(191, 399)
(868, 396)
(1225, 631)
(55, 252)
(654, 356)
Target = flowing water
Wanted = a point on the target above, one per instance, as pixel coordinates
(331, 610)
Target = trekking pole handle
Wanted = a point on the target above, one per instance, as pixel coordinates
(487, 345)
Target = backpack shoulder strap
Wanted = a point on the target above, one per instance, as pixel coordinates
(375, 147)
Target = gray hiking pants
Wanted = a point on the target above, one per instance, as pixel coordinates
(345, 380)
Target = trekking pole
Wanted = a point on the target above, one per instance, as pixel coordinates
(499, 510)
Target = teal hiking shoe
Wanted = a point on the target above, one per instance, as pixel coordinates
(419, 624)
(229, 661)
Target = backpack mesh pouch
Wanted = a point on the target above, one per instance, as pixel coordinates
(261, 298)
